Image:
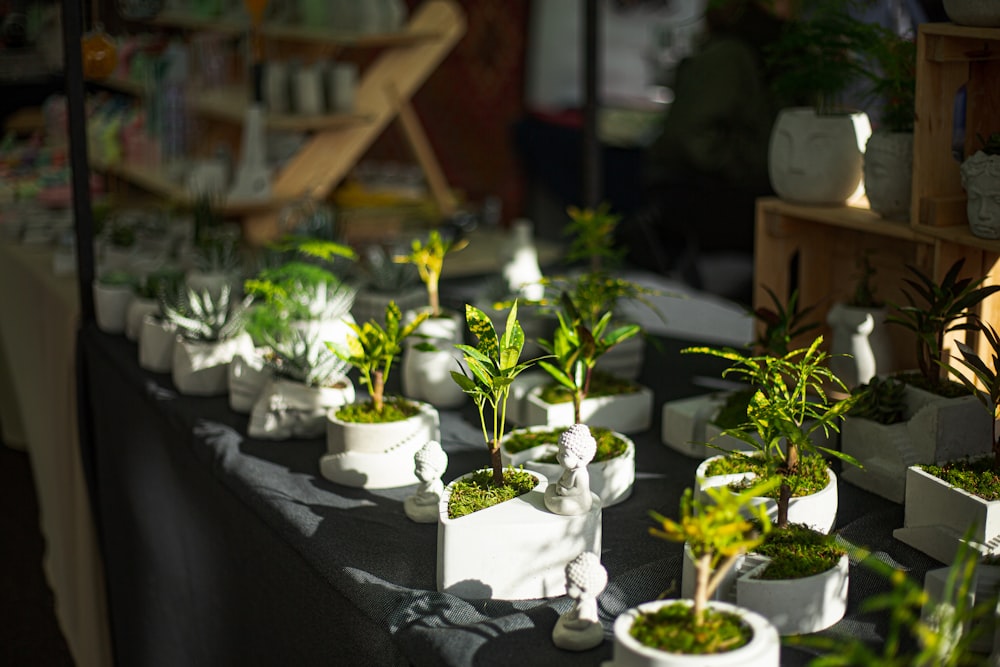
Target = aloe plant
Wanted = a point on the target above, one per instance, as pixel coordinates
(298, 356)
(200, 316)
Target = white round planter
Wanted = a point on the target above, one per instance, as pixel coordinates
(797, 606)
(110, 306)
(859, 343)
(763, 650)
(288, 409)
(624, 413)
(516, 550)
(611, 480)
(202, 368)
(980, 13)
(426, 376)
(818, 511)
(817, 158)
(156, 344)
(888, 169)
(377, 456)
(138, 308)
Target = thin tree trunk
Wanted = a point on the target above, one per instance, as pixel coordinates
(497, 463)
(378, 391)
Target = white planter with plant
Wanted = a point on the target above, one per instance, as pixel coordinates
(113, 292)
(381, 280)
(611, 477)
(247, 377)
(684, 423)
(860, 348)
(626, 412)
(157, 339)
(151, 290)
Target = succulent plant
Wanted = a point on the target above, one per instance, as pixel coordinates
(380, 273)
(880, 400)
(218, 255)
(295, 355)
(200, 316)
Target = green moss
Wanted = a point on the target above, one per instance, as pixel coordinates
(671, 628)
(608, 444)
(477, 492)
(601, 384)
(733, 413)
(811, 477)
(977, 476)
(393, 410)
(797, 551)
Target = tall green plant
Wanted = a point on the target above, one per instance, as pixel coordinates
(782, 323)
(493, 364)
(593, 237)
(429, 259)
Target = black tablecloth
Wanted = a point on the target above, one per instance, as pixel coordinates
(222, 550)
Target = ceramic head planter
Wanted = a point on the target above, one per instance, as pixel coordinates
(571, 494)
(430, 463)
(888, 165)
(580, 628)
(981, 180)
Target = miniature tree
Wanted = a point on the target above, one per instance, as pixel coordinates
(429, 260)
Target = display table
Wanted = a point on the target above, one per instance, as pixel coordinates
(39, 412)
(222, 549)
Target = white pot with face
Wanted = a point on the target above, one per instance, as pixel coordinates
(981, 180)
(980, 13)
(889, 173)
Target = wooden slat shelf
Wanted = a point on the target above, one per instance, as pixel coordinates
(960, 235)
(845, 217)
(230, 104)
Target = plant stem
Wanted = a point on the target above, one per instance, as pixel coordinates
(784, 496)
(378, 391)
(433, 299)
(703, 571)
(497, 463)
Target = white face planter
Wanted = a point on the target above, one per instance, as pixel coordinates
(981, 180)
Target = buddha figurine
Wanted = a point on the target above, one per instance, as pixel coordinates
(580, 628)
(430, 463)
(570, 495)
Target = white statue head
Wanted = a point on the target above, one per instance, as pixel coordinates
(430, 461)
(981, 180)
(577, 446)
(585, 576)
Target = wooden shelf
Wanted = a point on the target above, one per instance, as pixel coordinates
(845, 217)
(230, 104)
(959, 235)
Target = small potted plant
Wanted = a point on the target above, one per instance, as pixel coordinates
(370, 443)
(113, 293)
(878, 434)
(484, 550)
(306, 381)
(980, 173)
(700, 630)
(147, 298)
(210, 332)
(426, 371)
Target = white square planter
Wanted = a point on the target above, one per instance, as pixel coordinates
(137, 309)
(797, 606)
(625, 359)
(289, 409)
(985, 588)
(157, 339)
(516, 550)
(202, 368)
(625, 413)
(110, 306)
(937, 515)
(685, 426)
(611, 480)
(936, 430)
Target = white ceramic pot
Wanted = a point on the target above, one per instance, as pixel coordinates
(156, 344)
(426, 376)
(201, 368)
(764, 649)
(980, 13)
(110, 306)
(888, 173)
(684, 426)
(247, 376)
(288, 409)
(137, 310)
(516, 550)
(859, 343)
(625, 413)
(611, 480)
(817, 158)
(377, 456)
(797, 606)
(818, 511)
(981, 180)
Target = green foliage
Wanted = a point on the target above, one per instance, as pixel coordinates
(895, 82)
(987, 376)
(394, 409)
(158, 284)
(936, 309)
(797, 551)
(782, 323)
(374, 347)
(377, 271)
(811, 475)
(296, 355)
(601, 384)
(300, 291)
(672, 628)
(118, 278)
(429, 259)
(200, 316)
(864, 291)
(991, 144)
(122, 233)
(479, 490)
(593, 232)
(880, 400)
(207, 218)
(314, 248)
(493, 364)
(218, 254)
(980, 476)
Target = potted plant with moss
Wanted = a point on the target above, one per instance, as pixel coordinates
(948, 497)
(980, 172)
(306, 381)
(371, 443)
(484, 550)
(210, 332)
(700, 630)
(426, 371)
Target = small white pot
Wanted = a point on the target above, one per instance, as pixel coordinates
(684, 426)
(624, 413)
(516, 550)
(611, 480)
(763, 650)
(818, 511)
(110, 305)
(288, 409)
(377, 456)
(426, 376)
(797, 606)
(157, 339)
(247, 376)
(138, 308)
(202, 368)
(937, 515)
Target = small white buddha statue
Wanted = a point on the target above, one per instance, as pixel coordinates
(580, 628)
(430, 463)
(570, 495)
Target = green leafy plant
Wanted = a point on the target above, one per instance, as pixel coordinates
(200, 316)
(219, 254)
(984, 372)
(797, 551)
(935, 309)
(864, 291)
(299, 291)
(118, 278)
(429, 259)
(593, 237)
(298, 356)
(160, 283)
(717, 533)
(881, 400)
(894, 83)
(378, 271)
(782, 323)
(576, 349)
(374, 347)
(791, 401)
(493, 364)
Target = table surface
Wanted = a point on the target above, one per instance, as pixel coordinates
(222, 547)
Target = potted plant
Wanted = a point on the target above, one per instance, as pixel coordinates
(113, 292)
(484, 550)
(980, 173)
(371, 443)
(700, 630)
(210, 331)
(946, 498)
(147, 298)
(306, 381)
(888, 160)
(426, 371)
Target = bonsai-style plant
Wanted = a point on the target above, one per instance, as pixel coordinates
(791, 401)
(372, 349)
(933, 310)
(717, 532)
(593, 237)
(429, 259)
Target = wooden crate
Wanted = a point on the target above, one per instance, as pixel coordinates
(948, 58)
